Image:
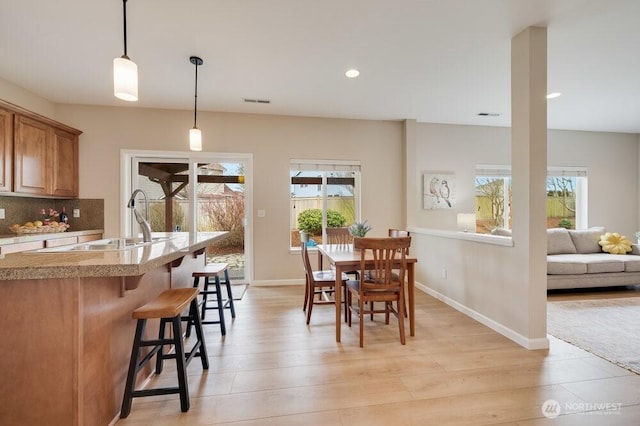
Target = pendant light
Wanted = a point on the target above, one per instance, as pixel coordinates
(195, 135)
(125, 71)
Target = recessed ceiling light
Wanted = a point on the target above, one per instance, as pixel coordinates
(553, 95)
(352, 73)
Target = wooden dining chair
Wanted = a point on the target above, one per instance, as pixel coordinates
(342, 238)
(320, 284)
(383, 283)
(397, 233)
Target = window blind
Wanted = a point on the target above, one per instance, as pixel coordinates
(325, 165)
(505, 171)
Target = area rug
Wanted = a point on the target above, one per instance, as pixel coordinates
(608, 328)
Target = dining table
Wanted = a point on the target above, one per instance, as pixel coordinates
(344, 258)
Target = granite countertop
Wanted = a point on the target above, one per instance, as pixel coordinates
(25, 238)
(129, 262)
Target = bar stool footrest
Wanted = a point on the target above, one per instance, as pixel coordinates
(155, 391)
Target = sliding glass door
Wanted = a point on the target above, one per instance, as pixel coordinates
(216, 202)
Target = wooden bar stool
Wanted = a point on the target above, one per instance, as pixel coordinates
(213, 270)
(166, 307)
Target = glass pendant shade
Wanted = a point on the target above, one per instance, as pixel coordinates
(125, 79)
(195, 135)
(195, 139)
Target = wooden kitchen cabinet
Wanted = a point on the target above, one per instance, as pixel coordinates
(64, 182)
(6, 150)
(87, 238)
(57, 242)
(45, 158)
(19, 247)
(47, 240)
(32, 158)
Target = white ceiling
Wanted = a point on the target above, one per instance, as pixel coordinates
(431, 60)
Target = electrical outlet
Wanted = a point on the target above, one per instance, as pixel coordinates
(261, 213)
(1, 213)
(444, 273)
(76, 212)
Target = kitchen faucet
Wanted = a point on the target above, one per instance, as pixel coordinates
(144, 224)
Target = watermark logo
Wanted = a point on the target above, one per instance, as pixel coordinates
(551, 408)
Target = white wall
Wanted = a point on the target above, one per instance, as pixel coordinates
(23, 98)
(612, 163)
(457, 149)
(478, 278)
(610, 158)
(273, 141)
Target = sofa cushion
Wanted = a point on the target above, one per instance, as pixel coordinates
(614, 243)
(566, 264)
(586, 240)
(559, 242)
(595, 263)
(631, 262)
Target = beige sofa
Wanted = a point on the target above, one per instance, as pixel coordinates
(576, 260)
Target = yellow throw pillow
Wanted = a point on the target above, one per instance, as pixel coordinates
(614, 243)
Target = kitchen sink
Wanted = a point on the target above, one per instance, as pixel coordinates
(106, 244)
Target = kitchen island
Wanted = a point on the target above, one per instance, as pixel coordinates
(67, 327)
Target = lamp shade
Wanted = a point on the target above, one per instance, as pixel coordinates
(125, 79)
(467, 222)
(195, 139)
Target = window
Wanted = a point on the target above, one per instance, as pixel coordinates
(566, 198)
(493, 202)
(323, 193)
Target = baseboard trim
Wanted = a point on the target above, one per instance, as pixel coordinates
(531, 344)
(273, 283)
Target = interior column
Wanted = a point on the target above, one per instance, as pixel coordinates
(529, 171)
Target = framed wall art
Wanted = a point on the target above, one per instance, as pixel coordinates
(438, 190)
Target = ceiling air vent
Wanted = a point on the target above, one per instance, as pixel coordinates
(257, 101)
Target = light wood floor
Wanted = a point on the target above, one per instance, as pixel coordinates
(273, 369)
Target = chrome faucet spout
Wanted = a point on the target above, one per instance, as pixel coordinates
(144, 222)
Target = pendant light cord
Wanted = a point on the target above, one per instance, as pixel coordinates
(195, 102)
(124, 19)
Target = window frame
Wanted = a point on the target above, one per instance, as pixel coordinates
(324, 168)
(581, 189)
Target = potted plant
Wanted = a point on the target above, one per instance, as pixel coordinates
(360, 229)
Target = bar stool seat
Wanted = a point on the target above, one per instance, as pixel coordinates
(167, 307)
(214, 270)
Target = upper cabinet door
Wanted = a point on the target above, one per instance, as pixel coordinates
(6, 150)
(38, 156)
(33, 170)
(64, 156)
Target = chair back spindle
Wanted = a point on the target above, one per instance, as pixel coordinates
(339, 236)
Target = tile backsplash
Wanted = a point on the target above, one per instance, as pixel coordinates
(23, 209)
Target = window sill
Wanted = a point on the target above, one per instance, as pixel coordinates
(467, 236)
